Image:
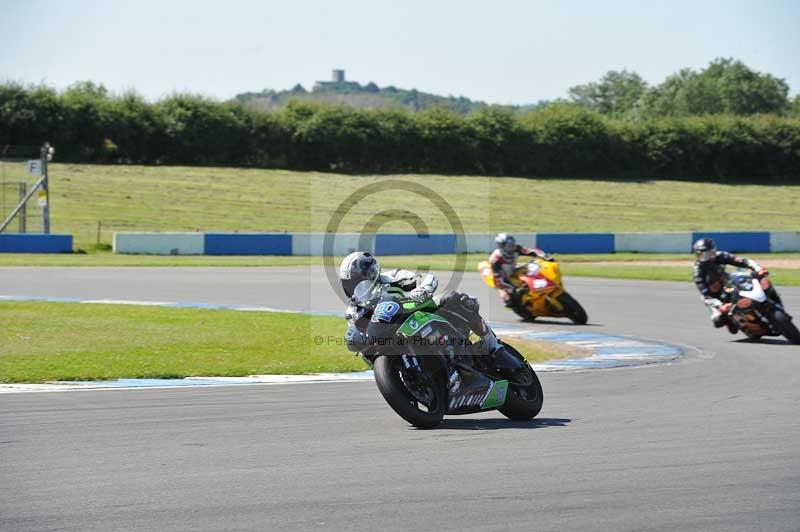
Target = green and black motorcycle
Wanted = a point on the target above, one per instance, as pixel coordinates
(413, 348)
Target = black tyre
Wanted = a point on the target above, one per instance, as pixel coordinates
(572, 309)
(424, 415)
(525, 397)
(784, 324)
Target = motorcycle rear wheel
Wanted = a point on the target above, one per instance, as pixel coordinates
(572, 309)
(394, 391)
(523, 401)
(785, 326)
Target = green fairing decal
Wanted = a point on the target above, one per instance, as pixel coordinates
(419, 306)
(497, 395)
(418, 320)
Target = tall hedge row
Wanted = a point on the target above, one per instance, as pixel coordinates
(89, 125)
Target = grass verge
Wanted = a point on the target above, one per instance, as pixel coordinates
(643, 266)
(179, 198)
(780, 276)
(42, 342)
(655, 267)
(434, 262)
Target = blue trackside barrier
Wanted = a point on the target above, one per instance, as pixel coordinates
(247, 244)
(413, 244)
(751, 242)
(35, 243)
(575, 242)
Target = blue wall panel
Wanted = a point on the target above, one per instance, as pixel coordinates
(575, 242)
(247, 244)
(738, 241)
(414, 244)
(35, 243)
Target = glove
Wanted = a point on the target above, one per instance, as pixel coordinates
(418, 295)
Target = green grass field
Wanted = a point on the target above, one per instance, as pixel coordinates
(780, 276)
(71, 341)
(158, 198)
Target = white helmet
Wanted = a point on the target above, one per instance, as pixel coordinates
(357, 267)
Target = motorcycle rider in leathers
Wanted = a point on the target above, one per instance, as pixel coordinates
(504, 263)
(709, 276)
(459, 308)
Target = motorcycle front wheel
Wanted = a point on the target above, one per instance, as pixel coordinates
(572, 309)
(424, 409)
(785, 326)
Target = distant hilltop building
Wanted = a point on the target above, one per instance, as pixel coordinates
(337, 78)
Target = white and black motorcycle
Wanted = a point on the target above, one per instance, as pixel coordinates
(755, 307)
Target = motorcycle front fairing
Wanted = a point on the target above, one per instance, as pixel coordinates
(752, 306)
(543, 280)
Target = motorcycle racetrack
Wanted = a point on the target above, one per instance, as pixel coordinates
(708, 442)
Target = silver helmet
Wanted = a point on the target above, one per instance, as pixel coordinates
(357, 267)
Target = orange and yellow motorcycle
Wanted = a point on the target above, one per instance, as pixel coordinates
(544, 293)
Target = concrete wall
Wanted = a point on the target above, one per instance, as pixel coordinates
(653, 242)
(343, 243)
(479, 243)
(160, 243)
(784, 241)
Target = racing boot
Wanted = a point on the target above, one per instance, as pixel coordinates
(513, 301)
(717, 317)
(523, 312)
(488, 342)
(504, 362)
(720, 316)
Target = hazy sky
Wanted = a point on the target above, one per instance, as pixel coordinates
(500, 52)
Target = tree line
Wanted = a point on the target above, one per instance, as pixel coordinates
(726, 86)
(88, 124)
(353, 94)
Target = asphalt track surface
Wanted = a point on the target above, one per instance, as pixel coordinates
(709, 443)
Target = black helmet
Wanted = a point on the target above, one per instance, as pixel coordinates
(705, 250)
(356, 267)
(506, 244)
